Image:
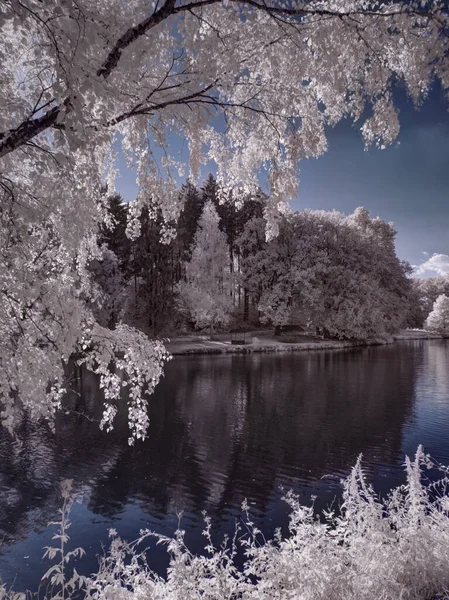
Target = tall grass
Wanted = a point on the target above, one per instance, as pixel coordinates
(370, 549)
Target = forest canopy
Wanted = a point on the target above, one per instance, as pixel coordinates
(324, 270)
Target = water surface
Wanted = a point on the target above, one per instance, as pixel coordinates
(223, 428)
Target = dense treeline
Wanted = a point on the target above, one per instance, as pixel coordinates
(339, 273)
(324, 270)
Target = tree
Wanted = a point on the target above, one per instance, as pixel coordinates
(110, 282)
(428, 289)
(253, 261)
(113, 231)
(438, 319)
(329, 270)
(206, 292)
(416, 315)
(80, 77)
(192, 208)
(390, 274)
(234, 211)
(154, 267)
(281, 265)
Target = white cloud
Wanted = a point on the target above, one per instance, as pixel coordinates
(437, 263)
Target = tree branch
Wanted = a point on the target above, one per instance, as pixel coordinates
(132, 35)
(30, 128)
(147, 110)
(14, 138)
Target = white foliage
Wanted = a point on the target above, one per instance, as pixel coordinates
(438, 319)
(137, 365)
(79, 76)
(206, 292)
(338, 272)
(428, 289)
(368, 550)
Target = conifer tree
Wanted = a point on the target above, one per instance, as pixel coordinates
(205, 293)
(113, 231)
(193, 203)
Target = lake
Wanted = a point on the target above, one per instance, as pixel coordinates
(222, 429)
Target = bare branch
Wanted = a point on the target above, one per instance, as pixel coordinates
(132, 35)
(14, 138)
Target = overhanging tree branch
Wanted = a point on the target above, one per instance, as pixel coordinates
(132, 35)
(15, 138)
(30, 128)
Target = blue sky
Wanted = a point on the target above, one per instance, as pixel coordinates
(407, 183)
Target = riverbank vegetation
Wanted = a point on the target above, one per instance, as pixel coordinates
(323, 271)
(438, 319)
(368, 549)
(428, 289)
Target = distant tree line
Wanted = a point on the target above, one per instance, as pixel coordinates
(334, 273)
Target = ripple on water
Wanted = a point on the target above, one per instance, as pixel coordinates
(224, 429)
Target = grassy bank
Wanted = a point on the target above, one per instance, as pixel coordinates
(208, 347)
(265, 341)
(418, 334)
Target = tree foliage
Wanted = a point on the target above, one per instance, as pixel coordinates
(427, 290)
(339, 273)
(78, 77)
(369, 549)
(206, 291)
(438, 319)
(366, 549)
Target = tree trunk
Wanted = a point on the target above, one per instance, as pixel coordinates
(135, 295)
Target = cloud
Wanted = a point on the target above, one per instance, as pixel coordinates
(437, 263)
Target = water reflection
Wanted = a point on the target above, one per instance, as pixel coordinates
(225, 428)
(429, 424)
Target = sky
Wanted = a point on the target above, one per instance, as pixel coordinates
(407, 183)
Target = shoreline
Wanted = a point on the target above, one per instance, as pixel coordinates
(202, 345)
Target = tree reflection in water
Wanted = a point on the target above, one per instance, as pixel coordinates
(222, 429)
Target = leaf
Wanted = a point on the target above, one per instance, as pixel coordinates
(57, 579)
(49, 572)
(51, 552)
